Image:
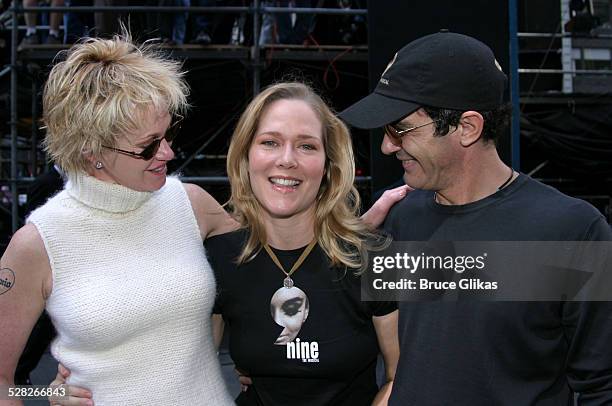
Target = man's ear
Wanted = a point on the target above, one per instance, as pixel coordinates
(472, 123)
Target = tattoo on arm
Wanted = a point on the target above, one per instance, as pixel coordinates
(7, 280)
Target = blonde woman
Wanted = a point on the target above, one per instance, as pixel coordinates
(287, 280)
(116, 258)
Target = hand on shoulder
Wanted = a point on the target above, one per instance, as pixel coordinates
(379, 210)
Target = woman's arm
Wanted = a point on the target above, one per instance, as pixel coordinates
(217, 327)
(211, 217)
(25, 284)
(388, 341)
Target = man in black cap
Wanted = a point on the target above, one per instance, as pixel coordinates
(440, 101)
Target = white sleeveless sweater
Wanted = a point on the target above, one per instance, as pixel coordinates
(132, 294)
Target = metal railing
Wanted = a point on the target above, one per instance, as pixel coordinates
(562, 44)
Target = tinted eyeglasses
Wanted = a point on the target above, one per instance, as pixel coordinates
(150, 150)
(396, 135)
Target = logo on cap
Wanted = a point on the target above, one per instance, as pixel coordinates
(383, 80)
(498, 66)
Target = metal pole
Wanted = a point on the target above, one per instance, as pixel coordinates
(34, 135)
(604, 72)
(136, 9)
(560, 35)
(14, 195)
(5, 71)
(255, 52)
(198, 9)
(315, 10)
(566, 50)
(515, 127)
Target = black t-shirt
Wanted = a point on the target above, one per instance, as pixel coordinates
(502, 353)
(314, 345)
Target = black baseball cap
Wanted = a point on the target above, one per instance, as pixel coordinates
(445, 70)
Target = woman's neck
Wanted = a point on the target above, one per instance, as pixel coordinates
(290, 232)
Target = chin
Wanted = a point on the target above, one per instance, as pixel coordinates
(284, 211)
(409, 181)
(155, 185)
(282, 214)
(416, 182)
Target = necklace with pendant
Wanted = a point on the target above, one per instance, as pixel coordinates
(288, 282)
(289, 305)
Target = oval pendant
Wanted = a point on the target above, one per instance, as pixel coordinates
(288, 282)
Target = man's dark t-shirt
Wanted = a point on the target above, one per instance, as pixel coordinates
(502, 353)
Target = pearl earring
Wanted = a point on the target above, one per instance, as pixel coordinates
(99, 165)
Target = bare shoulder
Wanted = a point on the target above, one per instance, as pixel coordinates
(212, 218)
(26, 256)
(200, 197)
(27, 243)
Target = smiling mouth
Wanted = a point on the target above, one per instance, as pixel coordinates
(158, 170)
(285, 182)
(408, 162)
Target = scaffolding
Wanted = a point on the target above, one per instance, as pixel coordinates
(251, 54)
(569, 68)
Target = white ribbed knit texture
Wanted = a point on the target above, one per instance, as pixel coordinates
(132, 294)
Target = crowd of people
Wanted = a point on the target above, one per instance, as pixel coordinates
(141, 273)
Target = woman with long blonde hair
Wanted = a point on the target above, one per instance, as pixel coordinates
(288, 279)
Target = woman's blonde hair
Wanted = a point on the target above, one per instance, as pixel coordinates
(101, 91)
(340, 233)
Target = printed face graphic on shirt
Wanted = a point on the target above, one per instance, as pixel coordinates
(289, 309)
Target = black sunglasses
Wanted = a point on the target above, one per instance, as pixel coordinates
(396, 135)
(150, 150)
